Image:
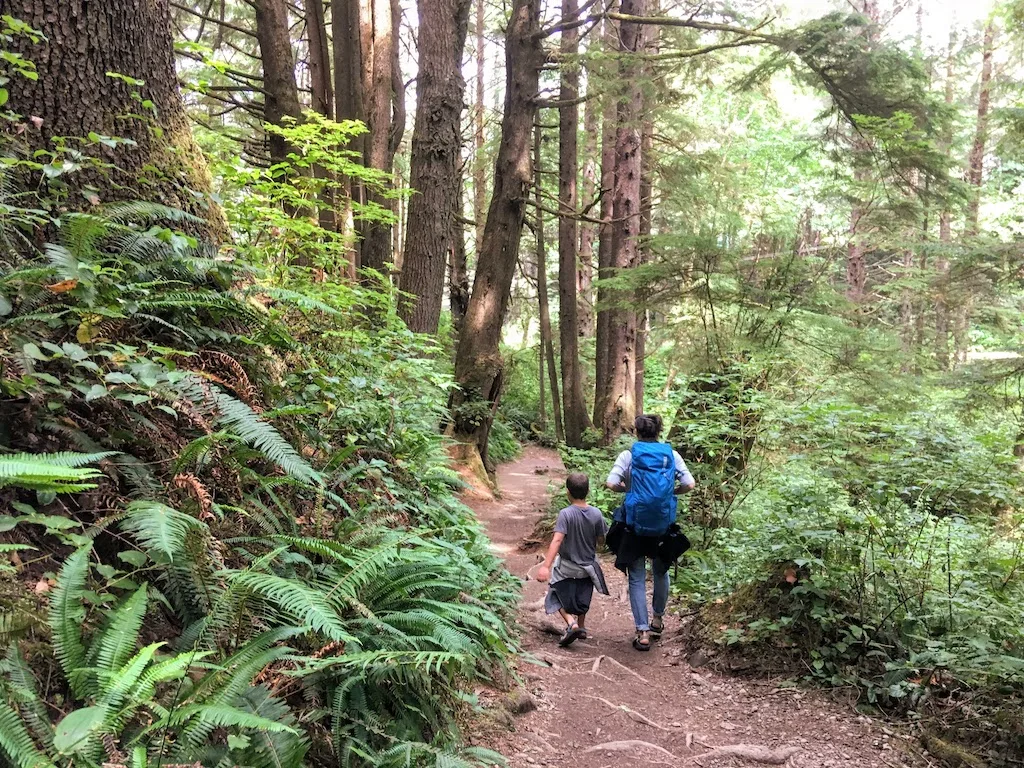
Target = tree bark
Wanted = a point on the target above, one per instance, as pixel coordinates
(618, 407)
(73, 96)
(573, 406)
(479, 158)
(478, 366)
(609, 119)
(349, 103)
(644, 252)
(434, 171)
(281, 97)
(544, 310)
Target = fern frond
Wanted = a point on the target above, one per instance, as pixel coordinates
(160, 528)
(117, 642)
(26, 696)
(307, 605)
(57, 472)
(67, 612)
(16, 742)
(222, 716)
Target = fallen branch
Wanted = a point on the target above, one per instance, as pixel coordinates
(631, 713)
(753, 752)
(628, 746)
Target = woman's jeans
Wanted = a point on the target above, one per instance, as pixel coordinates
(638, 590)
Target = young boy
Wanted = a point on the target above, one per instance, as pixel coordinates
(574, 573)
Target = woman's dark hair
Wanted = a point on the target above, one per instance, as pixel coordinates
(578, 485)
(648, 426)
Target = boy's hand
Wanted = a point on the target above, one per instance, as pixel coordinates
(543, 573)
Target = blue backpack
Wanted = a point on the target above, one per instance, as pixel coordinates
(650, 502)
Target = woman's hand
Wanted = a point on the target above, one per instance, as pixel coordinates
(543, 573)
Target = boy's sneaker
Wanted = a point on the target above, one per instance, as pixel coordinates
(572, 634)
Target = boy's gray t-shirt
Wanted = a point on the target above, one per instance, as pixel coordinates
(581, 526)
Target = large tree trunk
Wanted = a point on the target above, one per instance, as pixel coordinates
(573, 406)
(281, 97)
(609, 121)
(478, 365)
(479, 157)
(434, 172)
(543, 308)
(73, 96)
(375, 252)
(349, 103)
(618, 407)
(588, 231)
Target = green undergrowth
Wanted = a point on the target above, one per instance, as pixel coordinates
(872, 543)
(230, 533)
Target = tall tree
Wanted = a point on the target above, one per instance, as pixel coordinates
(74, 95)
(349, 100)
(544, 310)
(479, 370)
(479, 156)
(856, 263)
(574, 408)
(321, 94)
(588, 194)
(617, 407)
(379, 85)
(945, 228)
(281, 93)
(609, 121)
(434, 170)
(976, 160)
(321, 88)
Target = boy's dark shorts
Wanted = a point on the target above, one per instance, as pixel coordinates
(574, 595)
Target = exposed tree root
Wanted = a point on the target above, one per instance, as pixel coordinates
(753, 752)
(632, 714)
(599, 659)
(630, 745)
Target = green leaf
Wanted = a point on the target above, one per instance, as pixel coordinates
(74, 731)
(4, 96)
(133, 557)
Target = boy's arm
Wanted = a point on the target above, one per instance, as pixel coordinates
(544, 572)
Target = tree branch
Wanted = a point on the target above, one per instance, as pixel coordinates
(225, 24)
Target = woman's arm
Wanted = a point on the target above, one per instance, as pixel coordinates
(544, 572)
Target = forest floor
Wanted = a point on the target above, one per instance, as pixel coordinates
(601, 704)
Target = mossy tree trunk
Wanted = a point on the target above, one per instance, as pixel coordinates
(74, 96)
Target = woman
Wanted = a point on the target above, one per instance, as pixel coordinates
(651, 474)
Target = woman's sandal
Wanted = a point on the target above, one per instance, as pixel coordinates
(657, 626)
(572, 634)
(642, 641)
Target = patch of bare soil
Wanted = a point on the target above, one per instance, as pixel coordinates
(600, 703)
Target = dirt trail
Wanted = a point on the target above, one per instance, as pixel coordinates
(650, 708)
